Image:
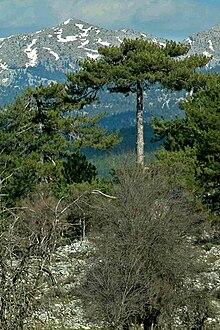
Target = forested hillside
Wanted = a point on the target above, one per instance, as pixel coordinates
(137, 249)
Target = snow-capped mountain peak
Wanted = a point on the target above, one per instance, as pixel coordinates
(45, 55)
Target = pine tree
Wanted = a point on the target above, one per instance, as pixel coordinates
(38, 132)
(198, 133)
(77, 169)
(132, 68)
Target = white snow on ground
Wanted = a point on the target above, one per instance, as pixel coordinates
(189, 41)
(84, 44)
(98, 31)
(119, 40)
(80, 26)
(104, 43)
(38, 32)
(210, 45)
(91, 50)
(2, 44)
(93, 56)
(162, 44)
(31, 54)
(67, 39)
(1, 39)
(3, 66)
(67, 22)
(144, 35)
(5, 80)
(124, 30)
(85, 31)
(50, 35)
(52, 53)
(207, 54)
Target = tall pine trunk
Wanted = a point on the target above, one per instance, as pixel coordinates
(140, 126)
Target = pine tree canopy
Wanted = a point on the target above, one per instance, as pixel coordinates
(39, 130)
(199, 131)
(133, 67)
(138, 60)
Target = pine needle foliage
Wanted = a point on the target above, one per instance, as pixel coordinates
(198, 133)
(132, 68)
(39, 131)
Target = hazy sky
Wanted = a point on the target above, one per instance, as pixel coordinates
(174, 19)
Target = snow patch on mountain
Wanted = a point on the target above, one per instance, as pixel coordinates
(92, 56)
(85, 31)
(119, 40)
(31, 54)
(190, 41)
(103, 43)
(211, 45)
(80, 26)
(66, 39)
(91, 50)
(84, 43)
(5, 80)
(67, 21)
(52, 53)
(2, 44)
(3, 66)
(207, 54)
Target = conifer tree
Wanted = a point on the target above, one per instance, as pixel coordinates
(132, 68)
(198, 134)
(39, 131)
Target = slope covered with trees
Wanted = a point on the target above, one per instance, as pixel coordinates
(147, 226)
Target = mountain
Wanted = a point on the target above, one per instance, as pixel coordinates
(46, 55)
(207, 43)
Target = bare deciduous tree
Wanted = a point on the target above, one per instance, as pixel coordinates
(145, 263)
(28, 237)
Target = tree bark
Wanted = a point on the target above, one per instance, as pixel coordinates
(140, 126)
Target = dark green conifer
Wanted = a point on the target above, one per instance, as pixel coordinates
(199, 133)
(38, 132)
(132, 68)
(77, 169)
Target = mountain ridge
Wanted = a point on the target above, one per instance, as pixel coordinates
(46, 55)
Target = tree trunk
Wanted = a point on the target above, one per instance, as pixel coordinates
(140, 126)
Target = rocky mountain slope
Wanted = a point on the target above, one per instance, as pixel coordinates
(46, 55)
(207, 43)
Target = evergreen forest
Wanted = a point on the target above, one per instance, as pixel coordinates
(129, 239)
